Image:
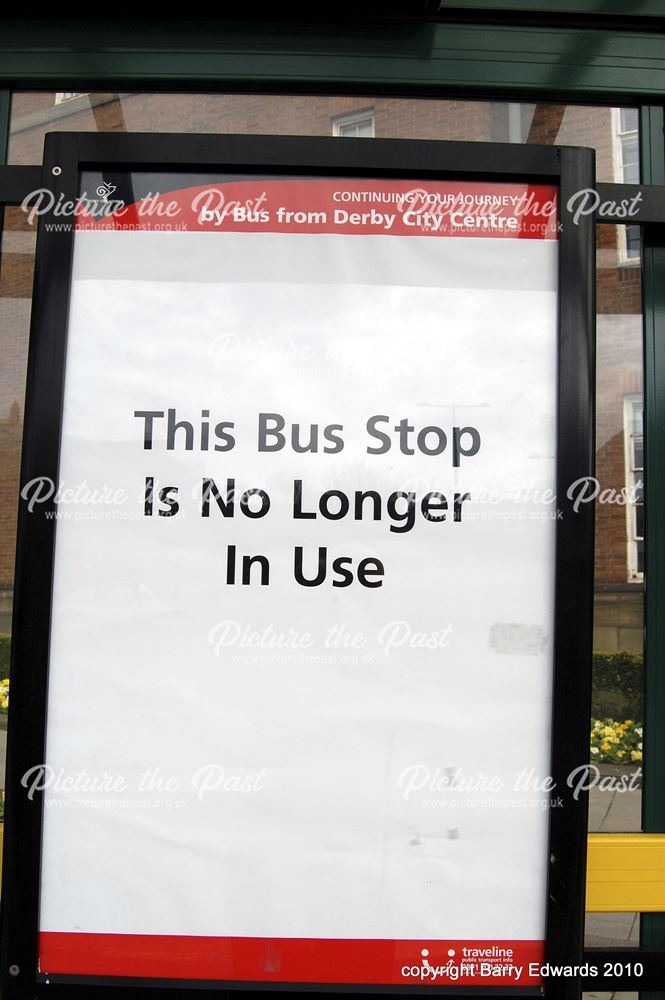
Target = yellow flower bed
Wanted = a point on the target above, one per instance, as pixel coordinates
(616, 742)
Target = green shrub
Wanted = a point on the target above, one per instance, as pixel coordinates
(617, 686)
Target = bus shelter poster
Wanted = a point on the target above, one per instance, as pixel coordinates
(301, 646)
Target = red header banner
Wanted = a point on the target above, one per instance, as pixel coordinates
(347, 207)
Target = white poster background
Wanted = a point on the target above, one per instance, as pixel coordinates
(331, 841)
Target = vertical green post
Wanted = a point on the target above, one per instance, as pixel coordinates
(5, 120)
(5, 113)
(652, 933)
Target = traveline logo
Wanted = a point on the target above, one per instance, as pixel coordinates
(472, 963)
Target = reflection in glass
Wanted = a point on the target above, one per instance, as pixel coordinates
(617, 694)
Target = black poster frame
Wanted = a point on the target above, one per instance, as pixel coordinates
(66, 156)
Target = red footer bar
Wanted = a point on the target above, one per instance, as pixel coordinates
(293, 960)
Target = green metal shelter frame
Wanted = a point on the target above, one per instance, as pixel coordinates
(601, 51)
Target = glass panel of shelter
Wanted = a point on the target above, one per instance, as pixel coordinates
(617, 710)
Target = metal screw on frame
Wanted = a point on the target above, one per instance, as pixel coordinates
(14, 970)
(56, 171)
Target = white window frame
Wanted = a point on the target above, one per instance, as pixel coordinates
(62, 96)
(340, 122)
(618, 136)
(520, 117)
(634, 477)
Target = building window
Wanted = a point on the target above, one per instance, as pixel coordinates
(634, 444)
(628, 153)
(627, 171)
(357, 125)
(60, 97)
(520, 117)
